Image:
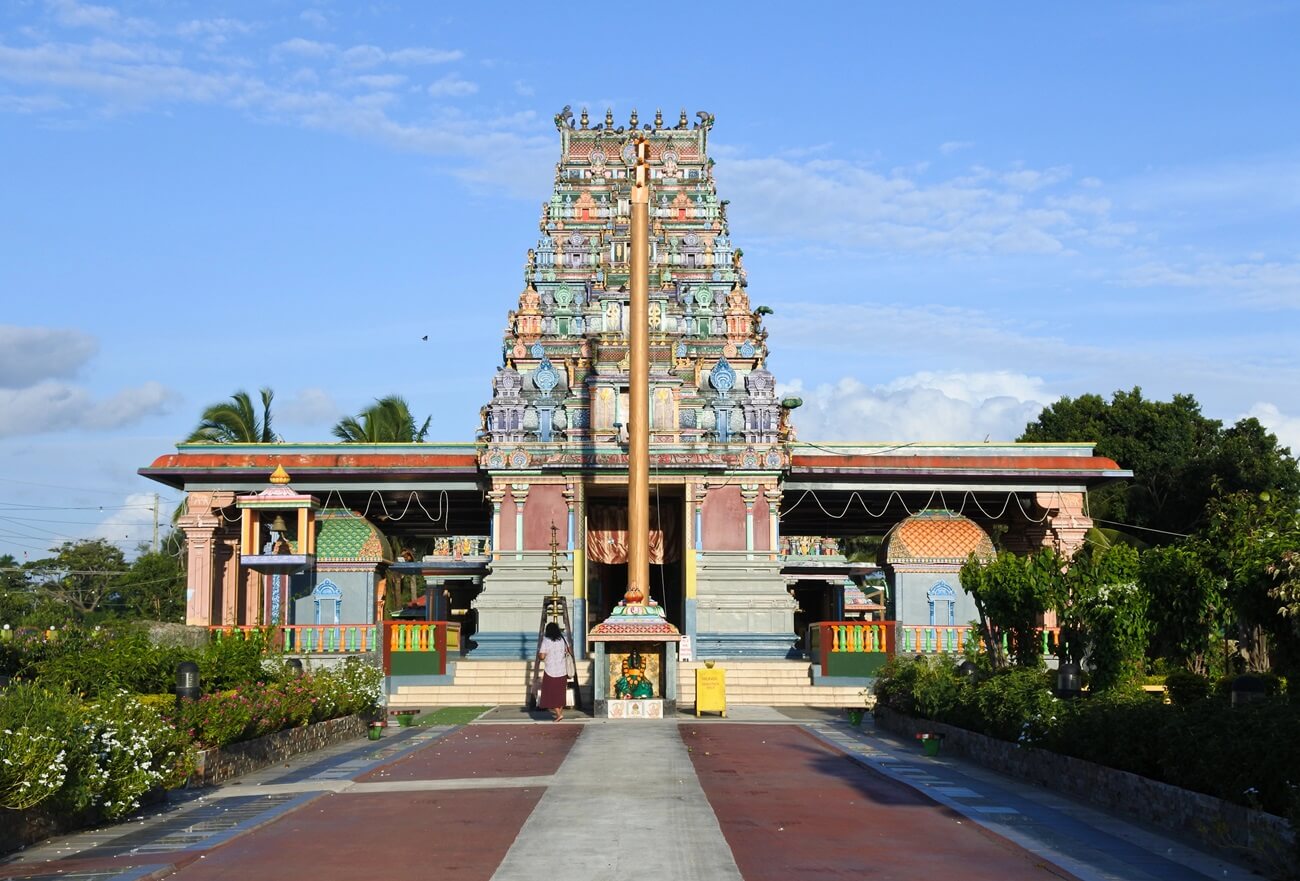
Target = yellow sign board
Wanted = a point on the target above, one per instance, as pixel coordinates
(711, 691)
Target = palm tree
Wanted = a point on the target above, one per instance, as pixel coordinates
(387, 421)
(235, 422)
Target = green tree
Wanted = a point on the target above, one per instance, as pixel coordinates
(82, 576)
(236, 421)
(15, 593)
(1112, 610)
(1245, 542)
(1180, 458)
(387, 421)
(1185, 605)
(153, 588)
(1011, 593)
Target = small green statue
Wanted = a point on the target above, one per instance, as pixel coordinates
(633, 684)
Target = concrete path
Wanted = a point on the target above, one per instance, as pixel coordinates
(626, 805)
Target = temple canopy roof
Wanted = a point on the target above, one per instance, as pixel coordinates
(937, 537)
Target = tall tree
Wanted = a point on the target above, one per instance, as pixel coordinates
(236, 421)
(154, 588)
(1180, 458)
(82, 575)
(387, 421)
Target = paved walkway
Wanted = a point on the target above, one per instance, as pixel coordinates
(764, 794)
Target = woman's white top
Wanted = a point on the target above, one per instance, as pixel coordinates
(552, 652)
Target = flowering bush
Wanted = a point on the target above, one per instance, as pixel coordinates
(220, 719)
(35, 727)
(54, 749)
(132, 750)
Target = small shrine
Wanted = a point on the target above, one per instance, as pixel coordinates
(290, 547)
(635, 672)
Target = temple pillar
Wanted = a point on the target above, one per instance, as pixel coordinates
(1067, 519)
(226, 566)
(774, 495)
(200, 521)
(519, 493)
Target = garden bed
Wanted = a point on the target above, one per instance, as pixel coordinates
(1238, 832)
(19, 829)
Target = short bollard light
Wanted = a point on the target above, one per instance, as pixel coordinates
(295, 666)
(968, 670)
(1248, 688)
(1069, 681)
(4, 682)
(187, 682)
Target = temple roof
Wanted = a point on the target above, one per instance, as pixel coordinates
(937, 537)
(346, 536)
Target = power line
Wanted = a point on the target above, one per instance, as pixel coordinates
(107, 492)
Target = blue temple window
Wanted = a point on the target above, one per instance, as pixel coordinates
(943, 603)
(328, 600)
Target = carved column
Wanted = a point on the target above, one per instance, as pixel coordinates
(200, 521)
(701, 491)
(496, 496)
(749, 494)
(227, 568)
(773, 495)
(519, 493)
(1068, 522)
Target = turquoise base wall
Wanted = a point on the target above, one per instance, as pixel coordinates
(745, 645)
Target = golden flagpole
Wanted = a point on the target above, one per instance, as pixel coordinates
(638, 465)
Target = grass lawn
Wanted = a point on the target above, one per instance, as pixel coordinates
(451, 715)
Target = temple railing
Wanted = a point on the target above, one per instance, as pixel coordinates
(419, 648)
(307, 639)
(859, 648)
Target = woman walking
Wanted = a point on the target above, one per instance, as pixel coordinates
(554, 654)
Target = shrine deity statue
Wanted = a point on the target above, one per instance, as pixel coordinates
(633, 684)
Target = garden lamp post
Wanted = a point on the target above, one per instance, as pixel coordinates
(1069, 681)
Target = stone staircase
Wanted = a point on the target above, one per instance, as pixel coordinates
(766, 683)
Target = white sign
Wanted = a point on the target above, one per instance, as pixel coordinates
(685, 652)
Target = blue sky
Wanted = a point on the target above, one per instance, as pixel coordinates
(959, 212)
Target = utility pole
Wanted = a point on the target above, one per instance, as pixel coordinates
(155, 523)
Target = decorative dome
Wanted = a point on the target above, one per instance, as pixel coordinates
(937, 537)
(345, 537)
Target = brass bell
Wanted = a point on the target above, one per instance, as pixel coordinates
(278, 525)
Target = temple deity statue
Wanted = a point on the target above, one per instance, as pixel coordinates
(633, 685)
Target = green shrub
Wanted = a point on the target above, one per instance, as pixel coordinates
(1015, 704)
(1120, 729)
(236, 660)
(1186, 688)
(133, 750)
(37, 726)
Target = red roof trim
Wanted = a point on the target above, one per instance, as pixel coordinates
(965, 463)
(313, 462)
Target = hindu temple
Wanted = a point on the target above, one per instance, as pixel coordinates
(746, 520)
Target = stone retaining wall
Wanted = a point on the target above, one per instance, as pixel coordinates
(1238, 833)
(216, 765)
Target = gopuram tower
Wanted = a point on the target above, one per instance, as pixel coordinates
(553, 441)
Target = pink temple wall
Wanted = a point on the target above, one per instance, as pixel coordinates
(762, 526)
(545, 505)
(724, 520)
(506, 540)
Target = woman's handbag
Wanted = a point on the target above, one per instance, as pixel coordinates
(570, 668)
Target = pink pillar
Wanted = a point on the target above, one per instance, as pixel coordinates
(198, 588)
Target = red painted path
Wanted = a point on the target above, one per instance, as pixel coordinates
(791, 807)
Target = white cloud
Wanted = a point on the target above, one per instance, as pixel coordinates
(366, 55)
(378, 80)
(311, 406)
(130, 522)
(1286, 427)
(31, 354)
(363, 56)
(1264, 284)
(947, 148)
(452, 86)
(927, 406)
(302, 48)
(70, 13)
(315, 18)
(51, 405)
(838, 203)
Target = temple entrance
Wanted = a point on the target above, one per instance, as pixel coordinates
(607, 555)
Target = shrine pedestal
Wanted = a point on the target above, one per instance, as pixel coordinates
(635, 709)
(639, 628)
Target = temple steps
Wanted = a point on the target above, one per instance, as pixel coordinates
(754, 682)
